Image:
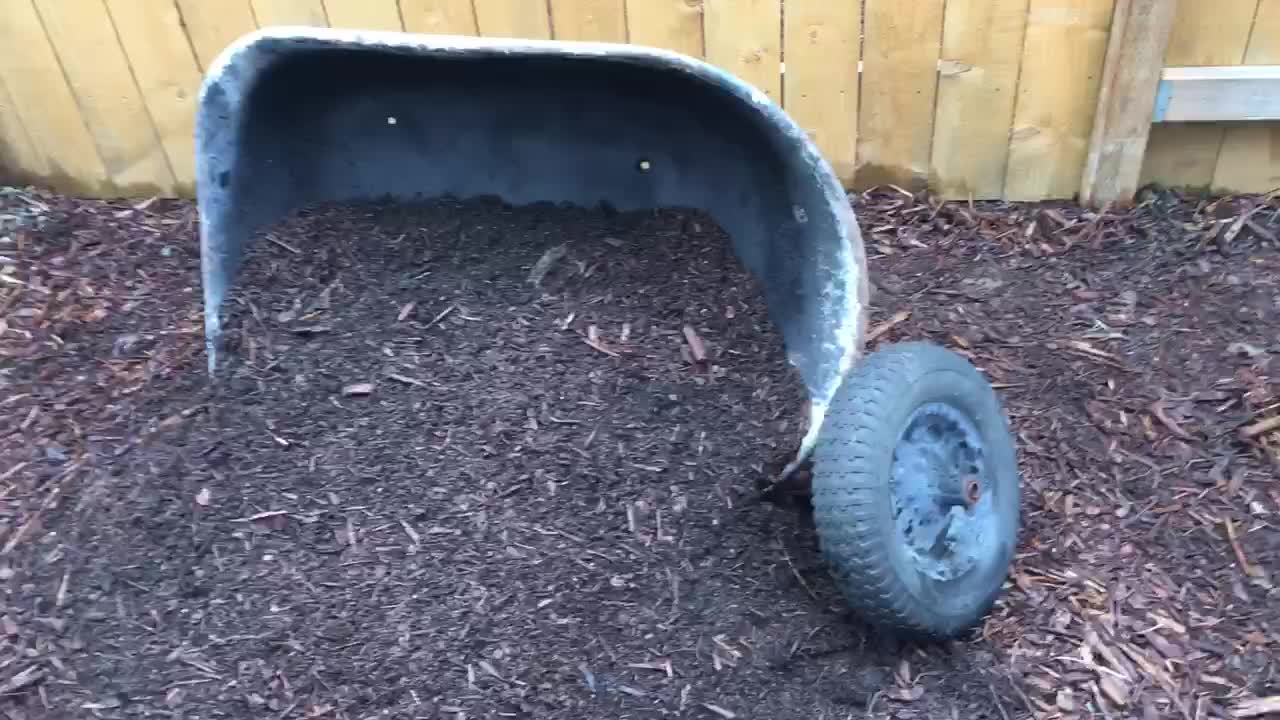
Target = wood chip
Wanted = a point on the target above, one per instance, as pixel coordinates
(262, 516)
(1157, 410)
(631, 691)
(1088, 349)
(27, 677)
(60, 599)
(593, 339)
(405, 379)
(1238, 549)
(277, 241)
(1261, 427)
(1115, 689)
(404, 311)
(490, 669)
(1257, 707)
(663, 665)
(543, 266)
(204, 497)
(413, 534)
(696, 346)
(1239, 223)
(898, 318)
(311, 329)
(722, 712)
(357, 389)
(442, 315)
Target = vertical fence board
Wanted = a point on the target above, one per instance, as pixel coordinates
(977, 78)
(1139, 36)
(18, 155)
(1204, 33)
(110, 102)
(1063, 53)
(1210, 33)
(513, 18)
(602, 20)
(158, 51)
(44, 102)
(290, 12)
(744, 38)
(364, 14)
(899, 83)
(443, 17)
(1250, 156)
(212, 26)
(668, 24)
(820, 43)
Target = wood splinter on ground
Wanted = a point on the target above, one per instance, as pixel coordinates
(22, 679)
(1261, 427)
(898, 318)
(1238, 549)
(593, 339)
(697, 348)
(725, 713)
(1257, 707)
(356, 389)
(543, 266)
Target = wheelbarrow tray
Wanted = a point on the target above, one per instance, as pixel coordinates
(293, 116)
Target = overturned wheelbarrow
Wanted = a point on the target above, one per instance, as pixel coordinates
(915, 480)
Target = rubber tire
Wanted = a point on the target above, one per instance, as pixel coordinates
(853, 506)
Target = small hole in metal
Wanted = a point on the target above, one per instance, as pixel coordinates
(644, 166)
(972, 491)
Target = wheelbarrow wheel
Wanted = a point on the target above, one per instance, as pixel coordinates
(916, 491)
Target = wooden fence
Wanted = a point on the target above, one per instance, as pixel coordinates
(976, 98)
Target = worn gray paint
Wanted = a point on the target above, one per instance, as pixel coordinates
(291, 116)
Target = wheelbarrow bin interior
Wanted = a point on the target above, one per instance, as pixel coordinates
(289, 117)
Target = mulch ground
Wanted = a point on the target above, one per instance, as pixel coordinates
(466, 460)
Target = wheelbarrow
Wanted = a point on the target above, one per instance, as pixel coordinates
(915, 479)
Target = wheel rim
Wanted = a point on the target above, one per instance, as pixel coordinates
(943, 498)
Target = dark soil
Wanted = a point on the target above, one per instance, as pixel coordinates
(424, 486)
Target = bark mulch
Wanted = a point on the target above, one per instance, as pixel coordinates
(467, 460)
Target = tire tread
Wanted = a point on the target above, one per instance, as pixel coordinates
(847, 494)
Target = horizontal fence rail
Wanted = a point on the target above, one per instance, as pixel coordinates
(974, 99)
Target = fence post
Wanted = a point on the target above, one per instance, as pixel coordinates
(1140, 32)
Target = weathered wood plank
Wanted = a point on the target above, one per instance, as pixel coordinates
(600, 20)
(110, 103)
(513, 18)
(901, 48)
(441, 17)
(364, 14)
(1122, 122)
(1063, 54)
(160, 55)
(18, 156)
(45, 104)
(1250, 156)
(212, 26)
(821, 83)
(1185, 155)
(290, 12)
(668, 24)
(744, 38)
(977, 78)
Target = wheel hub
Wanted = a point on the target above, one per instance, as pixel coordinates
(944, 514)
